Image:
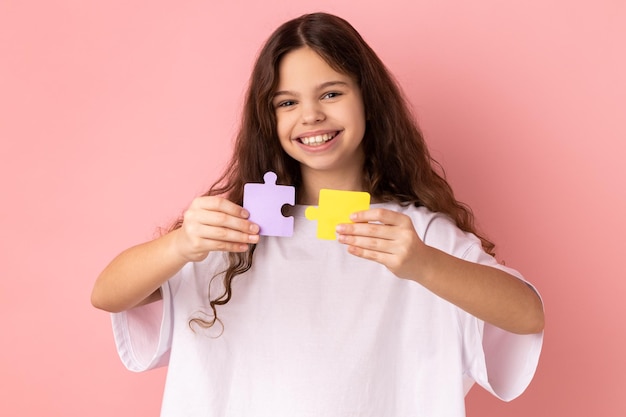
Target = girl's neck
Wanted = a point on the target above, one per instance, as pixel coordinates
(313, 182)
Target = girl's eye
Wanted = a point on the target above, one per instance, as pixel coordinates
(286, 103)
(332, 94)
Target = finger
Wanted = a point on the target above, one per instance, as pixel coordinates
(224, 234)
(212, 230)
(375, 230)
(225, 220)
(367, 243)
(216, 245)
(380, 215)
(203, 246)
(220, 204)
(218, 211)
(376, 256)
(196, 241)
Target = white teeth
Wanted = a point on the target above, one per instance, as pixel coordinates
(317, 140)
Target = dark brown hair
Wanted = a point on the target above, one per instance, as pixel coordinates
(398, 166)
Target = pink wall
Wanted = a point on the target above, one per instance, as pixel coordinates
(114, 114)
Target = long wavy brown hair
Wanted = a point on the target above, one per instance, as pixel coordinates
(398, 166)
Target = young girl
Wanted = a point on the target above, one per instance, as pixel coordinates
(398, 317)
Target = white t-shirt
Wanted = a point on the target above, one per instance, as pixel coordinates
(312, 331)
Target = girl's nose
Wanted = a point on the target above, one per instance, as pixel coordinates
(312, 113)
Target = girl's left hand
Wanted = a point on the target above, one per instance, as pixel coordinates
(390, 241)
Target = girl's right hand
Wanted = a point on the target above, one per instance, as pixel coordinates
(214, 223)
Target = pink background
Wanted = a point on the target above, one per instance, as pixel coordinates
(115, 114)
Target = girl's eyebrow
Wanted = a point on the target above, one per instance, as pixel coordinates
(319, 87)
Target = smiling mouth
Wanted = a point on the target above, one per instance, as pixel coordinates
(317, 140)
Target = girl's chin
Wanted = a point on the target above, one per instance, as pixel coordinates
(334, 168)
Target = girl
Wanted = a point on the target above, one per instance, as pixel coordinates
(398, 317)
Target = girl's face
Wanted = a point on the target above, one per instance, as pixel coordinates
(320, 116)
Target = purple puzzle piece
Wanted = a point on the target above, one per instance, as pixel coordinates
(265, 202)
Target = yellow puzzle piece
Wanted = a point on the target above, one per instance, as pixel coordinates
(335, 207)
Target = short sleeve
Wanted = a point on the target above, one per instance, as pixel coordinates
(502, 362)
(143, 334)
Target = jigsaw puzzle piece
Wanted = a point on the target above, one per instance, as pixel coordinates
(265, 202)
(335, 207)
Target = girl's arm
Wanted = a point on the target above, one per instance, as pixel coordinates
(487, 293)
(135, 276)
